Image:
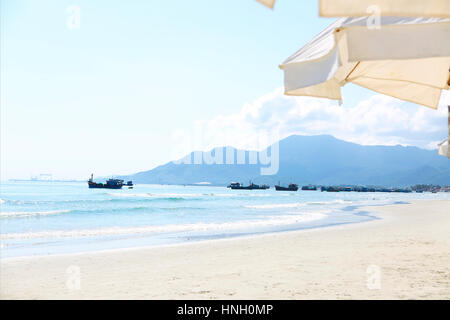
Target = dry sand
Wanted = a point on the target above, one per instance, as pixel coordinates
(409, 246)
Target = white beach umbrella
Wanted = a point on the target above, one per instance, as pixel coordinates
(403, 57)
(408, 8)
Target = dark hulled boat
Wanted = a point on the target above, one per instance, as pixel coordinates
(291, 187)
(309, 188)
(252, 186)
(110, 184)
(259, 187)
(329, 189)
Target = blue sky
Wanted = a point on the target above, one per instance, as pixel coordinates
(107, 97)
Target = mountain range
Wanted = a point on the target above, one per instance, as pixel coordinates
(321, 160)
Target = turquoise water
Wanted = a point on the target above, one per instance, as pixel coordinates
(41, 218)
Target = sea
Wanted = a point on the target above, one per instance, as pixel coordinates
(40, 218)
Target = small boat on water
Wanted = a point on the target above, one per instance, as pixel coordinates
(234, 185)
(309, 188)
(329, 189)
(252, 186)
(110, 184)
(291, 187)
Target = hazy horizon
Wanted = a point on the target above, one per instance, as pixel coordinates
(37, 175)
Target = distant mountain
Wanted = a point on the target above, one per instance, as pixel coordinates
(320, 159)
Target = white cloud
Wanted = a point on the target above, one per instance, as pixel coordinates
(378, 120)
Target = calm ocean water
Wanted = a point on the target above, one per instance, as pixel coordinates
(41, 218)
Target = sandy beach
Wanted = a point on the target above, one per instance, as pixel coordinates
(403, 255)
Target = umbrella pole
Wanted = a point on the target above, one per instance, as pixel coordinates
(448, 141)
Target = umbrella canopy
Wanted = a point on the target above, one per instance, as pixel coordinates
(407, 58)
(410, 8)
(267, 3)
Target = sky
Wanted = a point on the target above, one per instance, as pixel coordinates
(131, 85)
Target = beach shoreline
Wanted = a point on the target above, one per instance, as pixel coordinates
(357, 208)
(407, 249)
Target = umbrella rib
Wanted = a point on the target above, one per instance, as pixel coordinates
(356, 65)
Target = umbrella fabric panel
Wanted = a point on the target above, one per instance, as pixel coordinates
(396, 41)
(415, 93)
(325, 41)
(267, 3)
(418, 81)
(357, 8)
(444, 150)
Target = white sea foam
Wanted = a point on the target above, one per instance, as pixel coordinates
(245, 224)
(185, 195)
(245, 194)
(296, 204)
(337, 201)
(31, 213)
(236, 195)
(156, 195)
(277, 206)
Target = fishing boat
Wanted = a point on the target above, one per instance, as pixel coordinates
(252, 186)
(309, 188)
(110, 184)
(234, 185)
(291, 187)
(329, 189)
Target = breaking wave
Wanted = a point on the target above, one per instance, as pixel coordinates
(168, 196)
(337, 201)
(277, 206)
(244, 224)
(31, 213)
(296, 204)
